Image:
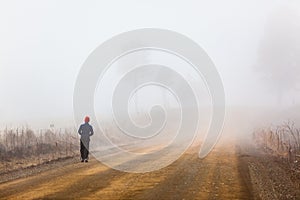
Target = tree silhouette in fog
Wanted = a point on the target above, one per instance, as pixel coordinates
(279, 52)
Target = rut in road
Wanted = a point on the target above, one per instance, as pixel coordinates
(219, 176)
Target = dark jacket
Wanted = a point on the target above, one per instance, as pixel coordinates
(85, 131)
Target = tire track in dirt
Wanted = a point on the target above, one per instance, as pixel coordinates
(180, 178)
(229, 181)
(159, 183)
(215, 177)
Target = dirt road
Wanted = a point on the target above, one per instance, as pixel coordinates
(221, 175)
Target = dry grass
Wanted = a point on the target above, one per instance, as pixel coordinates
(282, 141)
(22, 147)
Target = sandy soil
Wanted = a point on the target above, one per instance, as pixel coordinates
(227, 173)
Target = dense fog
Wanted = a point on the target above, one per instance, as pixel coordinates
(255, 45)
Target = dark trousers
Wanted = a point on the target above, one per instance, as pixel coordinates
(84, 150)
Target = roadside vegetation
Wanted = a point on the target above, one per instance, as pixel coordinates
(281, 141)
(23, 147)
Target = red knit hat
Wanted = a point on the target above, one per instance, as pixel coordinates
(86, 119)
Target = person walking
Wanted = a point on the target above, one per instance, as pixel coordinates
(85, 131)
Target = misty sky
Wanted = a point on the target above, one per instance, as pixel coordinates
(44, 43)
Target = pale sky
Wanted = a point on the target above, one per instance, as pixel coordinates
(44, 43)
